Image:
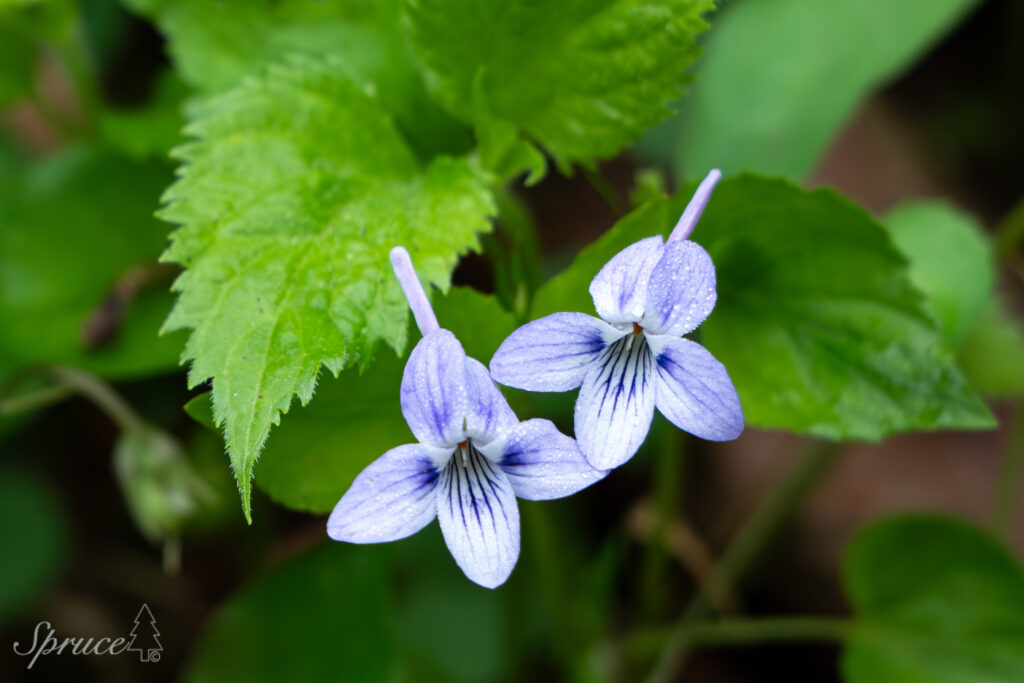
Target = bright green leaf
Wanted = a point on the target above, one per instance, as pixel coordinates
(322, 616)
(950, 259)
(935, 601)
(312, 458)
(33, 535)
(289, 201)
(580, 79)
(816, 321)
(216, 44)
(73, 227)
(779, 77)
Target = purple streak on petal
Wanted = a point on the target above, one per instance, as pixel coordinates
(394, 497)
(434, 397)
(489, 413)
(616, 404)
(401, 263)
(681, 291)
(693, 210)
(694, 390)
(620, 287)
(479, 518)
(553, 353)
(542, 463)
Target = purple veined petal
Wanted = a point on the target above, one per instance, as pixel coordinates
(552, 353)
(620, 287)
(479, 517)
(681, 290)
(616, 404)
(693, 210)
(489, 413)
(694, 390)
(542, 463)
(434, 397)
(394, 497)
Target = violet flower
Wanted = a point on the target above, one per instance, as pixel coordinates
(472, 460)
(634, 358)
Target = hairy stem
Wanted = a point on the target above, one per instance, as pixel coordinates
(102, 394)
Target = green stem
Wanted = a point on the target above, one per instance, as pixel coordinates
(745, 548)
(669, 467)
(35, 400)
(774, 629)
(550, 566)
(1011, 471)
(605, 188)
(102, 394)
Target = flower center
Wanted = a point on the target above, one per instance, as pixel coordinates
(636, 329)
(463, 448)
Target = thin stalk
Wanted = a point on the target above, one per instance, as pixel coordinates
(40, 398)
(102, 394)
(745, 548)
(1008, 486)
(605, 188)
(669, 466)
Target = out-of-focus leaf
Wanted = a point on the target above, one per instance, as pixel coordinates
(580, 79)
(778, 77)
(289, 201)
(316, 452)
(816, 320)
(32, 535)
(17, 64)
(70, 228)
(951, 262)
(216, 44)
(320, 617)
(992, 355)
(935, 600)
(149, 131)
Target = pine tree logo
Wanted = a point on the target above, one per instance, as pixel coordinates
(145, 636)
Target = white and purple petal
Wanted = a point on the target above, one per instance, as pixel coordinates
(489, 413)
(446, 396)
(552, 353)
(616, 403)
(694, 390)
(681, 290)
(479, 517)
(620, 288)
(394, 497)
(542, 463)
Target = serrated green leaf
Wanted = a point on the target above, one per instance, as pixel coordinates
(312, 458)
(581, 79)
(73, 226)
(297, 187)
(216, 43)
(320, 616)
(816, 320)
(779, 77)
(951, 261)
(935, 600)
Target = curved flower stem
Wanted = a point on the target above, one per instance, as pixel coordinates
(693, 210)
(745, 548)
(669, 467)
(39, 398)
(1008, 487)
(419, 304)
(100, 393)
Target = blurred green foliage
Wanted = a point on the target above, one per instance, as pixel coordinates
(934, 600)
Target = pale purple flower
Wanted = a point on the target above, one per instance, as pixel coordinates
(472, 460)
(634, 358)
